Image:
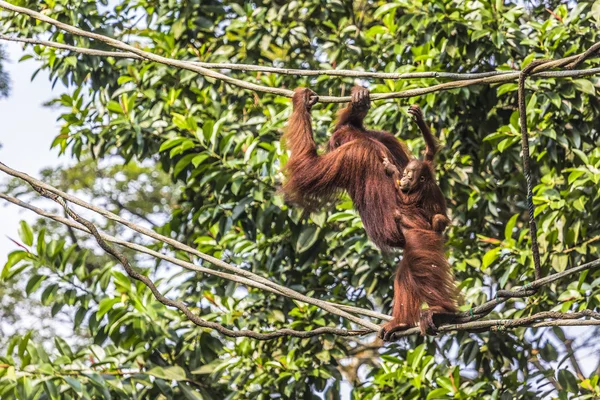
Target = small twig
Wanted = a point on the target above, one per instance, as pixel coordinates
(21, 245)
(588, 241)
(573, 359)
(132, 212)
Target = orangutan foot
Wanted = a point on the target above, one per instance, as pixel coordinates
(433, 318)
(388, 330)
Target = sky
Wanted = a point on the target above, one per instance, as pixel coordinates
(27, 129)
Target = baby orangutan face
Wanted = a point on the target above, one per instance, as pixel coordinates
(413, 176)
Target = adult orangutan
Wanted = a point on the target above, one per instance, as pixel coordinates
(396, 196)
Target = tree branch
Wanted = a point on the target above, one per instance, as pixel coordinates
(196, 67)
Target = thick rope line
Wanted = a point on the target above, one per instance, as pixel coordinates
(267, 69)
(561, 319)
(319, 72)
(582, 57)
(527, 167)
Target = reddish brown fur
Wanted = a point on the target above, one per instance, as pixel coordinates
(413, 219)
(353, 164)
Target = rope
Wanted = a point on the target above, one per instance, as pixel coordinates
(526, 164)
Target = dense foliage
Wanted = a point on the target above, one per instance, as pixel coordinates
(220, 146)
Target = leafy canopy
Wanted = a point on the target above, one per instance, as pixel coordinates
(220, 147)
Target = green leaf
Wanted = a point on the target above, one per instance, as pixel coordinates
(13, 258)
(51, 390)
(63, 347)
(237, 9)
(510, 225)
(385, 9)
(171, 143)
(180, 121)
(48, 294)
(438, 394)
(506, 143)
(23, 343)
(581, 155)
(567, 380)
(507, 87)
(489, 257)
(308, 236)
(445, 383)
(199, 159)
(586, 86)
(121, 281)
(183, 163)
(596, 12)
(105, 306)
(190, 393)
(79, 316)
(75, 384)
(34, 283)
(205, 369)
(560, 262)
(175, 373)
(479, 34)
(417, 356)
(26, 233)
(178, 28)
(115, 107)
(569, 295)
